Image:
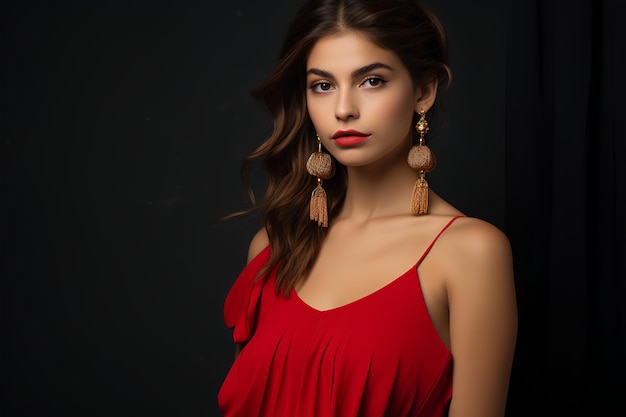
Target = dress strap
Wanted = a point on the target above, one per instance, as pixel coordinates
(437, 238)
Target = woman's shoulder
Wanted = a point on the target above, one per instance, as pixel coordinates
(465, 234)
(477, 237)
(470, 239)
(259, 241)
(476, 249)
(471, 236)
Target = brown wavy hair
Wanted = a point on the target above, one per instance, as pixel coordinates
(402, 26)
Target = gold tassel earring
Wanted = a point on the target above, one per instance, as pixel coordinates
(320, 165)
(421, 158)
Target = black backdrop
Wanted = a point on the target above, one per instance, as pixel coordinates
(565, 203)
(123, 125)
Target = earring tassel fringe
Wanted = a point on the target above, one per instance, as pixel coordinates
(419, 200)
(318, 209)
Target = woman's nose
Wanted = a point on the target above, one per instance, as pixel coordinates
(346, 106)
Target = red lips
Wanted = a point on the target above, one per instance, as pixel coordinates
(349, 132)
(350, 137)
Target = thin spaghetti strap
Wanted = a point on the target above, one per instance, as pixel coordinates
(436, 238)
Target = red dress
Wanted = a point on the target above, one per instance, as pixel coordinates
(377, 356)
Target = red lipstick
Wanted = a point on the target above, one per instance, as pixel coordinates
(349, 137)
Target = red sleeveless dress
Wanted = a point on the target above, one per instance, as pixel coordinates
(377, 356)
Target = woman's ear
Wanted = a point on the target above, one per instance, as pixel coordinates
(426, 95)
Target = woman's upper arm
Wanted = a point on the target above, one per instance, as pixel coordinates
(483, 320)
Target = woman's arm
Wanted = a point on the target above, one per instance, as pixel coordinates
(483, 319)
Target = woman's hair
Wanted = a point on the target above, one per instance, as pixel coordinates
(402, 26)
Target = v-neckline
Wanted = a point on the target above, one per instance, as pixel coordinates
(411, 272)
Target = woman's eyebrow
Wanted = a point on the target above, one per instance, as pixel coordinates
(355, 74)
(371, 67)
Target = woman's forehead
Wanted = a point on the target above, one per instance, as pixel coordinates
(347, 51)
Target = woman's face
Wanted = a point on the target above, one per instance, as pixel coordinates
(360, 98)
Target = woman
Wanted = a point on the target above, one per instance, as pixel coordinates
(365, 293)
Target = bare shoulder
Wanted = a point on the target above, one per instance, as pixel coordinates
(477, 249)
(477, 239)
(259, 241)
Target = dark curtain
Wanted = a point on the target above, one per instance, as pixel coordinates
(565, 204)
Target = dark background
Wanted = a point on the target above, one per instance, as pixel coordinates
(123, 126)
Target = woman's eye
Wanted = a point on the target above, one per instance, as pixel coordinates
(321, 86)
(373, 82)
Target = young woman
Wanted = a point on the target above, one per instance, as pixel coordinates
(365, 294)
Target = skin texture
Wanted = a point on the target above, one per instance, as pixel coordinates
(467, 278)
